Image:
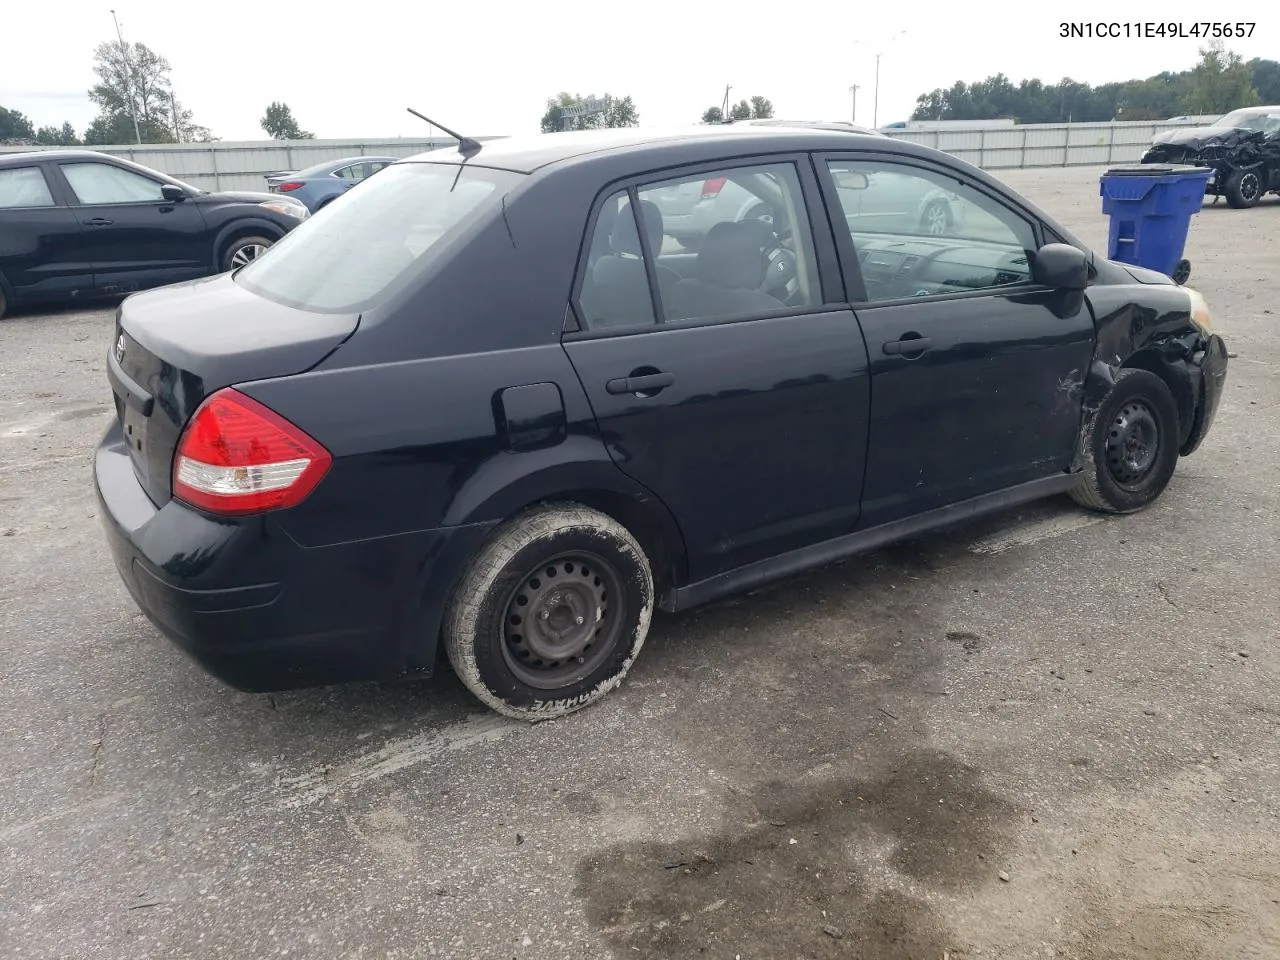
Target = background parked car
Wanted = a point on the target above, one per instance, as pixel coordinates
(1242, 148)
(77, 224)
(325, 182)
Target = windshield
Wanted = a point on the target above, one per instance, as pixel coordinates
(1260, 120)
(351, 254)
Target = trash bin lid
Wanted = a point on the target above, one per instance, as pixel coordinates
(1156, 170)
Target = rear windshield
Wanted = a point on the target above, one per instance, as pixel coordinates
(355, 251)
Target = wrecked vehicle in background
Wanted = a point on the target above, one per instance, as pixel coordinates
(1242, 148)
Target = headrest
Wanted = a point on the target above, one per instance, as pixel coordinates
(732, 257)
(626, 240)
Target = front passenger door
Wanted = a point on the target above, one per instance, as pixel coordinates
(134, 237)
(976, 371)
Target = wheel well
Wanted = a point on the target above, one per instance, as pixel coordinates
(1179, 386)
(667, 559)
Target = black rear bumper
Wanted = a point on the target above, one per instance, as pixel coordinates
(261, 612)
(1209, 375)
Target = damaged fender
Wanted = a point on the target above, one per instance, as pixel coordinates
(1169, 333)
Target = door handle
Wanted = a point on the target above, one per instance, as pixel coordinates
(97, 222)
(641, 384)
(907, 345)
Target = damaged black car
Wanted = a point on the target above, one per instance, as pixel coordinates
(1242, 148)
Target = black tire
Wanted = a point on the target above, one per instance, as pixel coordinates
(242, 250)
(1131, 448)
(1244, 188)
(588, 590)
(4, 304)
(935, 221)
(1182, 272)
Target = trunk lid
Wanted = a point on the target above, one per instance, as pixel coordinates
(176, 345)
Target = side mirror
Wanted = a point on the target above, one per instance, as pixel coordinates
(850, 179)
(172, 192)
(1061, 266)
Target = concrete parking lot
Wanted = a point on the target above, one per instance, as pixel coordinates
(1046, 734)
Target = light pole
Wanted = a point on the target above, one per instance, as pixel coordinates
(128, 65)
(875, 110)
(853, 92)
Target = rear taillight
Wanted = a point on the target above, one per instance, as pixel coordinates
(711, 188)
(290, 185)
(238, 457)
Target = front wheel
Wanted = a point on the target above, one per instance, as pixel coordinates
(551, 613)
(1131, 448)
(243, 251)
(936, 219)
(1243, 188)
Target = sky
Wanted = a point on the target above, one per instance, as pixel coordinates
(349, 70)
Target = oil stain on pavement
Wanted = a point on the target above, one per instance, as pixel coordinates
(837, 869)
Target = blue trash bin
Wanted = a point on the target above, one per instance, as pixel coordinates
(1151, 207)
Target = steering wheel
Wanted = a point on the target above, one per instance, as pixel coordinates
(781, 276)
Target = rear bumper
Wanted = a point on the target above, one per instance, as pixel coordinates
(261, 612)
(1210, 368)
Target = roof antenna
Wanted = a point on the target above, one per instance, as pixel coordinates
(466, 146)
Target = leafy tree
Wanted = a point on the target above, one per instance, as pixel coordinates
(618, 112)
(64, 136)
(757, 108)
(281, 125)
(134, 78)
(14, 125)
(1220, 82)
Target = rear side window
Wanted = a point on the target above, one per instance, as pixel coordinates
(24, 187)
(352, 254)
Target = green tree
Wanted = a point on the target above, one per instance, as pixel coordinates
(14, 125)
(1266, 79)
(134, 79)
(740, 111)
(1220, 82)
(713, 115)
(281, 125)
(761, 109)
(64, 136)
(617, 112)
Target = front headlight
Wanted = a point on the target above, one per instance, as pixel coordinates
(290, 208)
(1200, 314)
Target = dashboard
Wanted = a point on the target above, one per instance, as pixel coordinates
(898, 267)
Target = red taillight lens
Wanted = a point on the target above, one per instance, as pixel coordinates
(238, 457)
(711, 188)
(290, 185)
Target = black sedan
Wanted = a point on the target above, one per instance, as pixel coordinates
(75, 224)
(488, 404)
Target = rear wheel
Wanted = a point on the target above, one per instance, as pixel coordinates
(936, 219)
(551, 613)
(1243, 188)
(242, 251)
(1131, 448)
(3, 304)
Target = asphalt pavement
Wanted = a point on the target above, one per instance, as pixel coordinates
(1045, 734)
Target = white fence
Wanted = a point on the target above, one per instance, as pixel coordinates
(1045, 144)
(244, 165)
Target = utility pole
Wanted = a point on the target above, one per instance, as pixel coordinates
(128, 63)
(173, 102)
(853, 91)
(724, 108)
(875, 110)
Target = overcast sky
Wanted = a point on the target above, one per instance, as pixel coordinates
(487, 69)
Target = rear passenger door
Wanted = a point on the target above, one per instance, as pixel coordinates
(40, 252)
(732, 383)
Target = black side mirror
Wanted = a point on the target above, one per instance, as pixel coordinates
(1061, 266)
(172, 192)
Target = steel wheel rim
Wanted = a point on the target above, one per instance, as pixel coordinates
(935, 217)
(562, 620)
(1133, 443)
(247, 254)
(1249, 186)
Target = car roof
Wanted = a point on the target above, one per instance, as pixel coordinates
(29, 155)
(526, 154)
